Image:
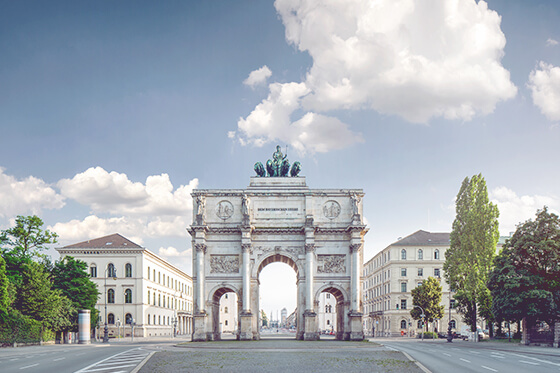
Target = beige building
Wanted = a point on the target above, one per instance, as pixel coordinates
(327, 313)
(389, 278)
(136, 286)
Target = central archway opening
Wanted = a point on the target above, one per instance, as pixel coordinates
(278, 298)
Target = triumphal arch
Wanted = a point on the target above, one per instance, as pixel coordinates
(277, 218)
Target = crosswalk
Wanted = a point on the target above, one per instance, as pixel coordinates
(124, 362)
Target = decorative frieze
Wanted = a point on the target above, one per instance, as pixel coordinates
(331, 264)
(224, 264)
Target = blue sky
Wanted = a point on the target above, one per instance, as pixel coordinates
(111, 112)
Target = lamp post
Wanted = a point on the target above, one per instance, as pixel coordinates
(106, 329)
(422, 316)
(174, 326)
(119, 327)
(449, 335)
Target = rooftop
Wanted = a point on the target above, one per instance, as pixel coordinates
(423, 238)
(111, 241)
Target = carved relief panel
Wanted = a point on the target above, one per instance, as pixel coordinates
(224, 264)
(331, 264)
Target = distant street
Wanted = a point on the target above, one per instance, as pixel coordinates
(462, 356)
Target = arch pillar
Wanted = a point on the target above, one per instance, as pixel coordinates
(310, 316)
(246, 316)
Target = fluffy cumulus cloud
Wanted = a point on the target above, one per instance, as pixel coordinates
(30, 195)
(258, 77)
(516, 209)
(417, 60)
(544, 83)
(551, 42)
(113, 192)
(171, 252)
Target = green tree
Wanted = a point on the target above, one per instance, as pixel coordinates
(473, 246)
(427, 296)
(6, 296)
(525, 282)
(264, 318)
(27, 239)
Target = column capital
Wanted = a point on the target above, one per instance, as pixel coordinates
(200, 247)
(309, 247)
(246, 247)
(355, 248)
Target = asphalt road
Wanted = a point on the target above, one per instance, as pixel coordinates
(99, 358)
(463, 356)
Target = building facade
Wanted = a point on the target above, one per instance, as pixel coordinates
(137, 287)
(389, 278)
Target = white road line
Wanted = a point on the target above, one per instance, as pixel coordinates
(498, 356)
(474, 352)
(446, 354)
(29, 366)
(60, 358)
(492, 369)
(465, 360)
(100, 369)
(14, 359)
(391, 348)
(528, 362)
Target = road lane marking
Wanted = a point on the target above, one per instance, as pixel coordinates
(465, 360)
(474, 352)
(60, 358)
(528, 362)
(101, 369)
(492, 369)
(29, 366)
(498, 356)
(446, 354)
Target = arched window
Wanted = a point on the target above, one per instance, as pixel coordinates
(128, 318)
(403, 254)
(128, 270)
(148, 297)
(148, 319)
(110, 296)
(110, 319)
(159, 320)
(328, 322)
(226, 323)
(159, 300)
(420, 254)
(225, 310)
(436, 254)
(403, 324)
(111, 271)
(453, 324)
(128, 296)
(164, 279)
(93, 270)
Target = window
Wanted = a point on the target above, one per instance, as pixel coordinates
(226, 310)
(154, 278)
(403, 304)
(159, 300)
(453, 324)
(148, 315)
(110, 296)
(164, 301)
(420, 272)
(226, 323)
(110, 318)
(159, 320)
(436, 272)
(111, 272)
(148, 298)
(403, 272)
(403, 324)
(128, 296)
(328, 322)
(420, 254)
(403, 254)
(452, 303)
(93, 271)
(164, 279)
(419, 283)
(148, 274)
(403, 287)
(436, 254)
(328, 295)
(159, 277)
(128, 270)
(128, 318)
(328, 309)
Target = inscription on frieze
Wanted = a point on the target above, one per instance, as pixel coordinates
(224, 264)
(331, 264)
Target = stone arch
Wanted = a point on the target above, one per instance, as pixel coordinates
(214, 296)
(278, 257)
(342, 302)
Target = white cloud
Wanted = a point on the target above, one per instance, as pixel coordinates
(516, 209)
(172, 252)
(258, 77)
(29, 195)
(114, 193)
(544, 82)
(417, 60)
(551, 42)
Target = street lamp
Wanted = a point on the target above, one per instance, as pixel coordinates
(174, 326)
(114, 276)
(449, 335)
(422, 316)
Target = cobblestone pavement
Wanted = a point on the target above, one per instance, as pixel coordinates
(276, 355)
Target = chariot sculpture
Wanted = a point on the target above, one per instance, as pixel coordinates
(278, 166)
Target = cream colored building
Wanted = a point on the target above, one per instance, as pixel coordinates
(389, 277)
(327, 313)
(136, 285)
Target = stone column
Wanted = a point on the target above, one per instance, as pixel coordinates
(200, 316)
(310, 317)
(356, 332)
(246, 316)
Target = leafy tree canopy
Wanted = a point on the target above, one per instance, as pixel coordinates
(427, 296)
(27, 239)
(71, 278)
(473, 246)
(525, 281)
